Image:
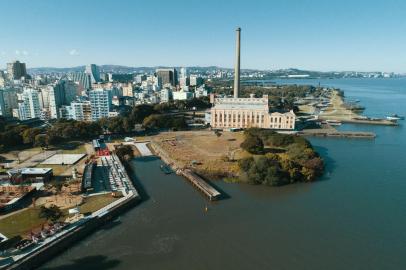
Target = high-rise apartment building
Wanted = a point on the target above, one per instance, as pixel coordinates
(100, 101)
(8, 101)
(93, 71)
(167, 76)
(16, 70)
(80, 111)
(196, 80)
(29, 105)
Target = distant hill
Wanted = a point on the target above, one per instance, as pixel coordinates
(266, 74)
(116, 69)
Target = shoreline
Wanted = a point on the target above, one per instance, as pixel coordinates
(338, 112)
(76, 231)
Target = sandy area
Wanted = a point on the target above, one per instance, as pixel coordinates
(338, 111)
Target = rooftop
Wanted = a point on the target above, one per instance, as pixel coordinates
(31, 171)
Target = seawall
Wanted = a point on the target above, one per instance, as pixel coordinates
(56, 247)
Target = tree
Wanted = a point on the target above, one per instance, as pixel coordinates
(52, 213)
(153, 121)
(140, 112)
(125, 152)
(28, 135)
(253, 144)
(41, 140)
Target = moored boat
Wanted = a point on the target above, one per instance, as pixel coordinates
(334, 122)
(395, 117)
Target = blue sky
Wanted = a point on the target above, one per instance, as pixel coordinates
(316, 35)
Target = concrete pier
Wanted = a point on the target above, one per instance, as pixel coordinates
(337, 134)
(200, 184)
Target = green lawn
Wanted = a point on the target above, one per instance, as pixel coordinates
(94, 203)
(21, 223)
(56, 169)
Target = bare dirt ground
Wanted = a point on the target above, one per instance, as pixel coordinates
(203, 150)
(66, 198)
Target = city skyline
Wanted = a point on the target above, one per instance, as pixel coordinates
(356, 36)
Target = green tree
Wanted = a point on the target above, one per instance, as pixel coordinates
(28, 135)
(52, 213)
(125, 152)
(253, 144)
(41, 140)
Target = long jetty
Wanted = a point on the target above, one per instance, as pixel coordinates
(200, 184)
(192, 177)
(337, 134)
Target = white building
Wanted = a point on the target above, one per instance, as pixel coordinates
(93, 71)
(29, 105)
(248, 112)
(166, 95)
(182, 95)
(201, 91)
(100, 101)
(195, 80)
(80, 111)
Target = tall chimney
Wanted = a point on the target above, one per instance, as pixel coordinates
(237, 64)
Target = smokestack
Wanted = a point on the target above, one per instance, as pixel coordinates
(237, 63)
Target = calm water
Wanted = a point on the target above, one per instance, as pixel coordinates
(354, 218)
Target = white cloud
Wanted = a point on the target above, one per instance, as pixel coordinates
(73, 52)
(18, 52)
(3, 53)
(24, 52)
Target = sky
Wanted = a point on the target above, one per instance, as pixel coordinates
(330, 35)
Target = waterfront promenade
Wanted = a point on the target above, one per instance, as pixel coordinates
(82, 225)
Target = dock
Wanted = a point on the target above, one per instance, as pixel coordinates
(200, 184)
(337, 134)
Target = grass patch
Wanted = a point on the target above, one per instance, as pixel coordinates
(21, 223)
(94, 203)
(56, 169)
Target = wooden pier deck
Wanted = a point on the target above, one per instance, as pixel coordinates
(200, 184)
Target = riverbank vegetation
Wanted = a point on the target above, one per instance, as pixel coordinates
(278, 159)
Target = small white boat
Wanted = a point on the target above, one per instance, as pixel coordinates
(334, 122)
(395, 117)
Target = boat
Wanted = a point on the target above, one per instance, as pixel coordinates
(334, 122)
(395, 117)
(166, 169)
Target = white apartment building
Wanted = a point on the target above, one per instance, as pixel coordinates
(80, 111)
(100, 102)
(29, 105)
(166, 95)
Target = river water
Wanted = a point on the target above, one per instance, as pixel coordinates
(353, 218)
